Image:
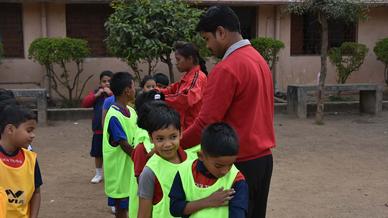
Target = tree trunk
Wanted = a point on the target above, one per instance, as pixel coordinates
(170, 68)
(386, 73)
(322, 76)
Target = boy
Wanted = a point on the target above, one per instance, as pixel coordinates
(96, 99)
(161, 80)
(119, 129)
(211, 186)
(163, 125)
(19, 170)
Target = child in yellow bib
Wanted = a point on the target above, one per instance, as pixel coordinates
(211, 186)
(163, 125)
(118, 141)
(3, 203)
(20, 178)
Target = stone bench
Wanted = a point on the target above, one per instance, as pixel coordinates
(41, 101)
(371, 97)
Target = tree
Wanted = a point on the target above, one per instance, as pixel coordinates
(347, 58)
(54, 53)
(345, 10)
(145, 31)
(268, 48)
(1, 51)
(381, 51)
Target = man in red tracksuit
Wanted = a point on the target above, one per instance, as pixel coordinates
(239, 92)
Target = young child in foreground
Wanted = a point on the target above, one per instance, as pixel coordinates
(211, 186)
(20, 176)
(163, 125)
(118, 134)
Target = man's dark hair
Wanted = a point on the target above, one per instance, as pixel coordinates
(219, 139)
(187, 50)
(156, 115)
(144, 97)
(145, 80)
(161, 79)
(107, 73)
(119, 82)
(216, 16)
(15, 115)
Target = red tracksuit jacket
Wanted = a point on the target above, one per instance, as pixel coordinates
(185, 96)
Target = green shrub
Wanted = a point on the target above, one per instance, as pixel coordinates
(381, 51)
(60, 53)
(268, 48)
(347, 58)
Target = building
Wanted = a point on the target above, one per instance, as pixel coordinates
(23, 21)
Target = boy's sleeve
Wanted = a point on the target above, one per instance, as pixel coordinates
(139, 157)
(177, 198)
(238, 206)
(37, 176)
(89, 100)
(146, 184)
(108, 102)
(116, 131)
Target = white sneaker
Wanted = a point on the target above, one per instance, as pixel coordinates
(113, 210)
(96, 179)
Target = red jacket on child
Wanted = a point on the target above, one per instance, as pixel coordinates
(185, 96)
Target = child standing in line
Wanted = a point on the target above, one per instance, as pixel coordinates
(211, 186)
(96, 99)
(163, 125)
(161, 80)
(19, 170)
(147, 83)
(118, 137)
(3, 203)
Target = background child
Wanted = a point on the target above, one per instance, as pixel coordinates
(118, 134)
(161, 80)
(148, 83)
(8, 98)
(211, 186)
(96, 99)
(19, 169)
(163, 125)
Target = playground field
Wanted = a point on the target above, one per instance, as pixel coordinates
(339, 169)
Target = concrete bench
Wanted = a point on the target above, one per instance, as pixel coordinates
(371, 97)
(41, 101)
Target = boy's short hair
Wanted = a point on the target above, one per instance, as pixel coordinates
(156, 115)
(144, 97)
(145, 79)
(216, 16)
(119, 82)
(107, 73)
(219, 139)
(15, 115)
(161, 79)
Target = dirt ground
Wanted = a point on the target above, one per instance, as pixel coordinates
(339, 169)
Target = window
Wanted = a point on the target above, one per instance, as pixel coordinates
(86, 21)
(11, 30)
(306, 34)
(247, 17)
